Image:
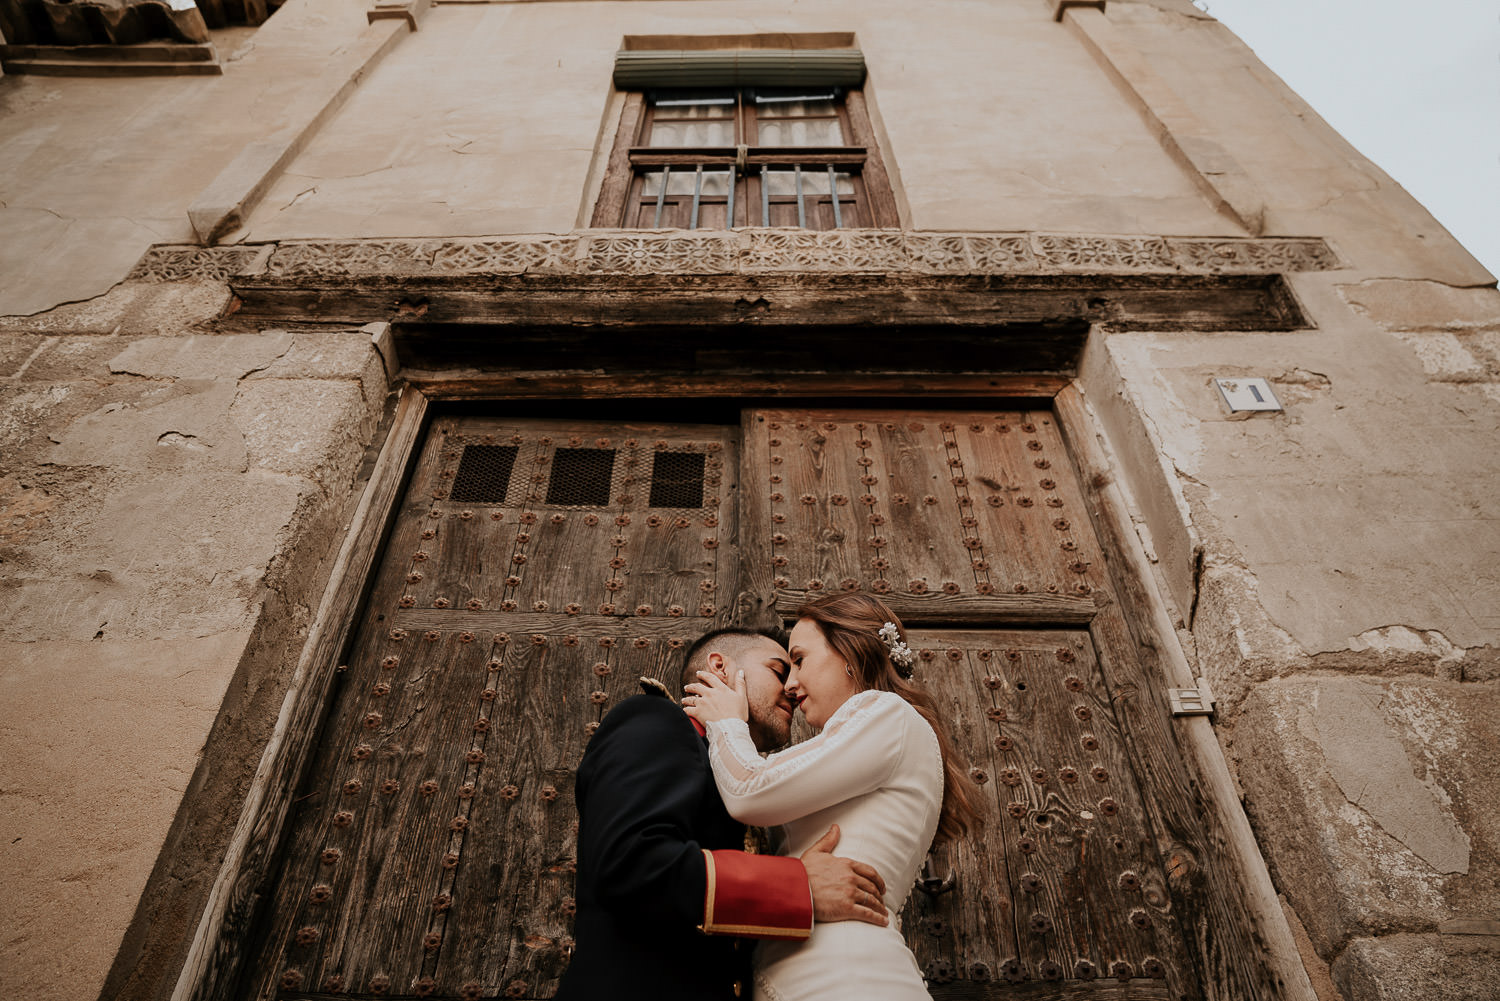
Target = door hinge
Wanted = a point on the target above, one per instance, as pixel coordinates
(1192, 701)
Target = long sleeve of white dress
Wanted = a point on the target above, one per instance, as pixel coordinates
(856, 753)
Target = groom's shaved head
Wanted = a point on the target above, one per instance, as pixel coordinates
(730, 642)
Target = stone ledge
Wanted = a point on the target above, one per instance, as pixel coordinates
(746, 251)
(1419, 968)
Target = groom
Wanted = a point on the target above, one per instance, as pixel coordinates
(664, 893)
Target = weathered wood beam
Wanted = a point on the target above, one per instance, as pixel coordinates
(1135, 302)
(469, 383)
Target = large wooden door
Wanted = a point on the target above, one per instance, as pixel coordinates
(537, 568)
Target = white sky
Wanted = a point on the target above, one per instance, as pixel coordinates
(1413, 84)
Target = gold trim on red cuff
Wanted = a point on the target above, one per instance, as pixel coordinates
(712, 887)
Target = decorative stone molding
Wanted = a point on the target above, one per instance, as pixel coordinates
(745, 251)
(166, 263)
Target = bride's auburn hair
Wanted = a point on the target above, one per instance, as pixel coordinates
(851, 624)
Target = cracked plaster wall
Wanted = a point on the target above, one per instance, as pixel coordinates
(169, 498)
(417, 155)
(1333, 569)
(92, 171)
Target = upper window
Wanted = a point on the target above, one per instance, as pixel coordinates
(716, 158)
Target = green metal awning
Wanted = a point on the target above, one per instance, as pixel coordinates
(639, 69)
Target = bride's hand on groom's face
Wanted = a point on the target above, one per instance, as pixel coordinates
(710, 698)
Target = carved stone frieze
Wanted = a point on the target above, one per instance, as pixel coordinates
(504, 256)
(745, 251)
(646, 253)
(353, 257)
(1254, 256)
(831, 250)
(1104, 253)
(166, 263)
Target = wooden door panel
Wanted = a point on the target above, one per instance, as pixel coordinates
(948, 517)
(431, 851)
(1062, 884)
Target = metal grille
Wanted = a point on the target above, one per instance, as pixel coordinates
(484, 474)
(581, 476)
(677, 480)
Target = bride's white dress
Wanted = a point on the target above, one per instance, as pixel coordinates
(877, 772)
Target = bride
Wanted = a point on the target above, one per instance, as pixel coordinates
(880, 768)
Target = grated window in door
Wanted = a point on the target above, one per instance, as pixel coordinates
(484, 474)
(581, 477)
(677, 480)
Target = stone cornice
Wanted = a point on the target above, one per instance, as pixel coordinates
(745, 251)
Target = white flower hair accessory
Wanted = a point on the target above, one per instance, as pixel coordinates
(901, 654)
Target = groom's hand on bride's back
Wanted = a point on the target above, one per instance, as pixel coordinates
(843, 889)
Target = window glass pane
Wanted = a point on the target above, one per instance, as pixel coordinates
(814, 182)
(693, 104)
(806, 132)
(692, 133)
(715, 183)
(776, 102)
(682, 179)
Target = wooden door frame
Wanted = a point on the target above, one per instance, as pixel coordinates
(212, 966)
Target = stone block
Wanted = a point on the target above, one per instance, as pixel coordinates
(1486, 343)
(1397, 304)
(94, 762)
(145, 554)
(340, 354)
(27, 411)
(1420, 968)
(316, 428)
(1373, 800)
(15, 349)
(67, 359)
(131, 308)
(184, 425)
(35, 416)
(1443, 356)
(202, 356)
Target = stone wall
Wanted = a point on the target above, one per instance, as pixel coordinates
(169, 501)
(1333, 571)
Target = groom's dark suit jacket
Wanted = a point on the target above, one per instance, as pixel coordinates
(662, 892)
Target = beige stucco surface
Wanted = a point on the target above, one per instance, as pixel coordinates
(166, 499)
(1019, 132)
(94, 171)
(86, 799)
(1375, 481)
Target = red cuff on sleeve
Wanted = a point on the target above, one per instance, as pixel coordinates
(756, 896)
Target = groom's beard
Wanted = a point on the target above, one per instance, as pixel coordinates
(770, 725)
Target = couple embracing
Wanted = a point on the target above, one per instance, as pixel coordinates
(667, 898)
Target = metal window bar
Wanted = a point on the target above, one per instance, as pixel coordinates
(801, 213)
(661, 196)
(729, 211)
(765, 195)
(833, 190)
(697, 196)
